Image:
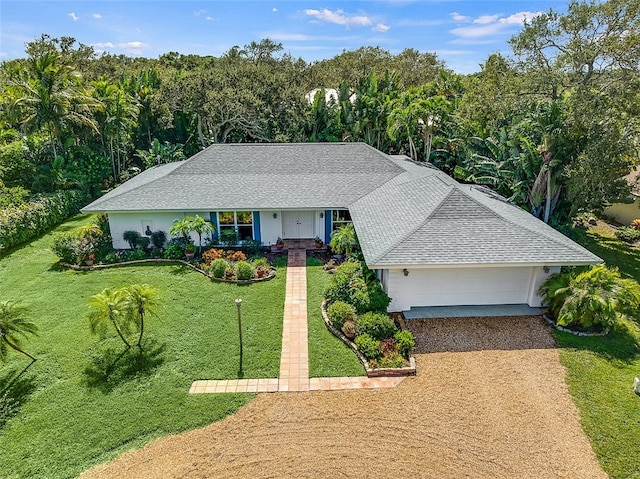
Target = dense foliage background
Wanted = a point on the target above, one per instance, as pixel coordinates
(554, 127)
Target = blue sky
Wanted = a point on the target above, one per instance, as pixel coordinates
(462, 33)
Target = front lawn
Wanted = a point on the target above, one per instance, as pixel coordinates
(70, 415)
(328, 356)
(601, 371)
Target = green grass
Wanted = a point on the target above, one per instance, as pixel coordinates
(328, 356)
(601, 371)
(70, 415)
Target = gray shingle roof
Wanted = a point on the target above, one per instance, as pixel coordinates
(405, 213)
(433, 220)
(253, 176)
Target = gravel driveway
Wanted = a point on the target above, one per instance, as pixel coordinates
(494, 405)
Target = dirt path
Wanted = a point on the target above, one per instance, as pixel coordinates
(476, 412)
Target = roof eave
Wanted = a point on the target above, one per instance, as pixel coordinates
(481, 265)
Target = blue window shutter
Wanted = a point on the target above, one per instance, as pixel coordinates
(256, 226)
(327, 226)
(213, 217)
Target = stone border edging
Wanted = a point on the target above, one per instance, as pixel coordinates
(76, 267)
(571, 331)
(372, 373)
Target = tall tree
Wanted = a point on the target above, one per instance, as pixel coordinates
(49, 95)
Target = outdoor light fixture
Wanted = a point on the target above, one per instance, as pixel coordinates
(275, 215)
(148, 231)
(405, 272)
(321, 215)
(545, 269)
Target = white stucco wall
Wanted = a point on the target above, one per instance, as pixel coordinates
(121, 222)
(270, 227)
(464, 286)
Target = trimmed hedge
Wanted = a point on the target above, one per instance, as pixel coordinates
(22, 223)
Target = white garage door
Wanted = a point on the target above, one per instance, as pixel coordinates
(460, 286)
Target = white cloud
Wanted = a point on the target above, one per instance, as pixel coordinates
(131, 48)
(519, 18)
(339, 17)
(73, 16)
(101, 45)
(381, 27)
(484, 19)
(274, 9)
(199, 13)
(460, 18)
(97, 16)
(487, 26)
(210, 19)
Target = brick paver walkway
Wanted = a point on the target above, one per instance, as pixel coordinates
(294, 358)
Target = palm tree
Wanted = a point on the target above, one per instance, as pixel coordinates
(141, 299)
(48, 95)
(13, 325)
(182, 227)
(595, 297)
(344, 239)
(201, 226)
(110, 306)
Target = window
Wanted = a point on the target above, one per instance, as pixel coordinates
(235, 222)
(339, 218)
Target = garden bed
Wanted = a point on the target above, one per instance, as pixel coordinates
(577, 331)
(409, 370)
(76, 267)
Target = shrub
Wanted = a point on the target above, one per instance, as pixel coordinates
(22, 223)
(340, 312)
(369, 347)
(235, 255)
(65, 247)
(405, 342)
(156, 252)
(628, 234)
(158, 239)
(244, 270)
(143, 242)
(339, 288)
(135, 254)
(131, 237)
(595, 297)
(260, 262)
(349, 284)
(378, 299)
(218, 267)
(230, 272)
(377, 325)
(173, 251)
(211, 255)
(229, 237)
(394, 360)
(251, 246)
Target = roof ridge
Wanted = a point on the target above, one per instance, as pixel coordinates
(413, 230)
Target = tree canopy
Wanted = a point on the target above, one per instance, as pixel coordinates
(553, 127)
